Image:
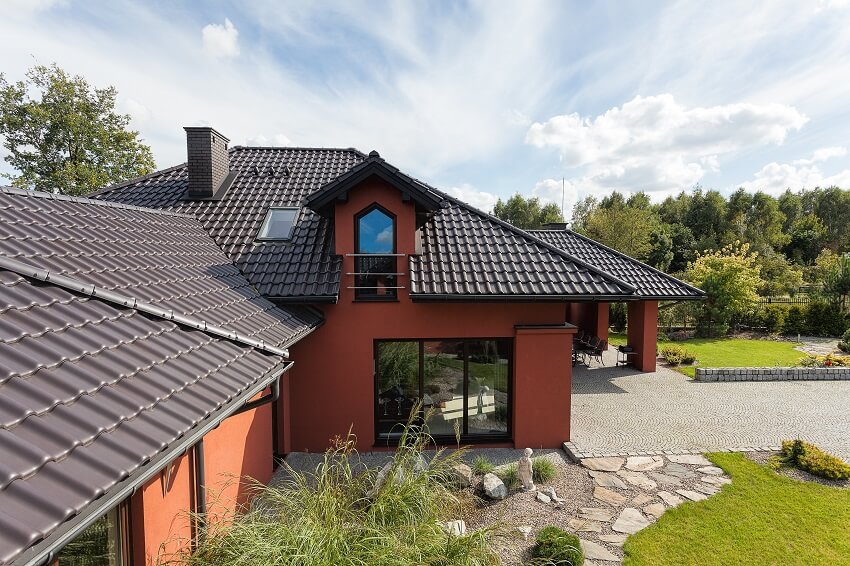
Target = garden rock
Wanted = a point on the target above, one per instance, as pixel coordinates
(595, 551)
(644, 463)
(706, 489)
(611, 464)
(524, 530)
(585, 526)
(716, 480)
(615, 539)
(641, 499)
(638, 478)
(692, 495)
(461, 476)
(655, 510)
(608, 496)
(711, 470)
(669, 498)
(550, 491)
(493, 487)
(606, 479)
(692, 459)
(664, 479)
(595, 514)
(456, 528)
(630, 521)
(678, 471)
(543, 498)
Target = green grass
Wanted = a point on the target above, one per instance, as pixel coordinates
(762, 518)
(497, 379)
(732, 352)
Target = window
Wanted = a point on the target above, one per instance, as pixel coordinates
(100, 544)
(464, 386)
(278, 224)
(375, 259)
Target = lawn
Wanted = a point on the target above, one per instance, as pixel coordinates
(762, 518)
(732, 352)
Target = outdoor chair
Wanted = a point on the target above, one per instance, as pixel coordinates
(597, 351)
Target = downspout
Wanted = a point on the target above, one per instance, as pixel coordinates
(200, 491)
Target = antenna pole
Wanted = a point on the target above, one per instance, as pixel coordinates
(563, 192)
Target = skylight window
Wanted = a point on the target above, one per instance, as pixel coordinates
(278, 224)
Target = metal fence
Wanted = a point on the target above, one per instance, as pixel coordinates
(796, 300)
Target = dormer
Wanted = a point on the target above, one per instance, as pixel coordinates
(376, 210)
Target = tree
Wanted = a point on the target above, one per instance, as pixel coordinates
(730, 278)
(661, 252)
(807, 236)
(582, 210)
(68, 137)
(683, 246)
(706, 218)
(836, 283)
(628, 230)
(526, 213)
(779, 276)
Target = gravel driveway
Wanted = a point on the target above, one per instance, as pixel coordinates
(617, 410)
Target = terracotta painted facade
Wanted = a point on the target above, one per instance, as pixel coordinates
(239, 448)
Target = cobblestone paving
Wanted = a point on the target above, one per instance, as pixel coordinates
(619, 410)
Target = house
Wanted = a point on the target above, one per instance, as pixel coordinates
(256, 301)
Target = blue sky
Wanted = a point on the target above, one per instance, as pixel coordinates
(482, 99)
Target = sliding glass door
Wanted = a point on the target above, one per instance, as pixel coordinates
(463, 386)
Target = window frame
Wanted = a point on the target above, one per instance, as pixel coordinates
(383, 439)
(121, 534)
(267, 220)
(369, 295)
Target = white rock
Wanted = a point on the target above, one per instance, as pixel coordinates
(679, 471)
(595, 551)
(664, 479)
(692, 459)
(550, 491)
(716, 480)
(595, 514)
(644, 463)
(615, 539)
(457, 528)
(638, 478)
(692, 495)
(606, 479)
(493, 487)
(711, 470)
(543, 498)
(630, 521)
(585, 526)
(603, 464)
(706, 489)
(608, 496)
(655, 510)
(669, 498)
(641, 499)
(524, 530)
(461, 475)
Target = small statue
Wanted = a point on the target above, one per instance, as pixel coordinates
(524, 470)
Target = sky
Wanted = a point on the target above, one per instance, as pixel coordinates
(558, 100)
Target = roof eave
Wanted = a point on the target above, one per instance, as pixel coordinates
(452, 297)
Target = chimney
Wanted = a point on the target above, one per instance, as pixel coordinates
(554, 226)
(208, 162)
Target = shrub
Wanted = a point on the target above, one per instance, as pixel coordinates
(795, 321)
(844, 345)
(558, 547)
(509, 474)
(770, 317)
(543, 470)
(675, 354)
(337, 515)
(828, 361)
(812, 459)
(481, 465)
(825, 319)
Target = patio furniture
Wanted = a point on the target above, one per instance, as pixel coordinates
(625, 352)
(596, 352)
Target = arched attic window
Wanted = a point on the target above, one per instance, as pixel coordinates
(375, 254)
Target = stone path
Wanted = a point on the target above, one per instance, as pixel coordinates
(620, 410)
(620, 511)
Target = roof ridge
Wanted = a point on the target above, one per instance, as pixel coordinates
(15, 191)
(136, 180)
(91, 290)
(624, 256)
(533, 239)
(297, 148)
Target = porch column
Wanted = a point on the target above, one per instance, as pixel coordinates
(542, 385)
(597, 319)
(642, 333)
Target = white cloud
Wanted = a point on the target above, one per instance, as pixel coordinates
(221, 41)
(481, 200)
(556, 191)
(140, 113)
(775, 177)
(385, 236)
(277, 140)
(655, 143)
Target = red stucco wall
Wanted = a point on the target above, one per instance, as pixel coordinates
(332, 384)
(643, 332)
(240, 446)
(590, 317)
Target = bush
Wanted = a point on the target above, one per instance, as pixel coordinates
(844, 345)
(812, 459)
(675, 354)
(558, 547)
(795, 321)
(481, 465)
(509, 474)
(825, 319)
(828, 361)
(771, 317)
(543, 470)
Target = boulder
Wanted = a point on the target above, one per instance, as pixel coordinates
(460, 476)
(456, 528)
(603, 464)
(543, 498)
(493, 487)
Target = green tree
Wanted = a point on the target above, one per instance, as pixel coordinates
(730, 278)
(65, 136)
(628, 230)
(683, 246)
(661, 251)
(706, 218)
(526, 213)
(807, 236)
(836, 283)
(780, 277)
(832, 206)
(581, 212)
(791, 206)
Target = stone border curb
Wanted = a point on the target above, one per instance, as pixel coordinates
(773, 374)
(576, 455)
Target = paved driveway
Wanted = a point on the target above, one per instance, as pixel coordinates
(616, 410)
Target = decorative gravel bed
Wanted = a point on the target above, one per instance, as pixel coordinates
(795, 473)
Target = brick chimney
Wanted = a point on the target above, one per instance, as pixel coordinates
(208, 162)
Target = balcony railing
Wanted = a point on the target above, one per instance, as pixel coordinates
(375, 276)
